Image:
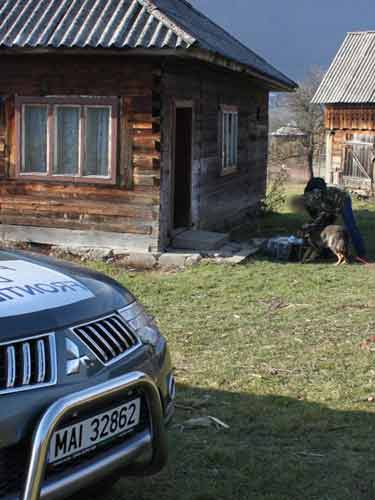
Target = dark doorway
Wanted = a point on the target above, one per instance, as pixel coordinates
(182, 168)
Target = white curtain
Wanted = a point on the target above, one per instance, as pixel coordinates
(225, 140)
(35, 139)
(230, 139)
(97, 142)
(67, 141)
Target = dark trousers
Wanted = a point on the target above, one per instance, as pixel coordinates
(352, 228)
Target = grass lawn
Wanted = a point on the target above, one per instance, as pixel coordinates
(273, 350)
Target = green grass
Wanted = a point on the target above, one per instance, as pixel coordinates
(274, 350)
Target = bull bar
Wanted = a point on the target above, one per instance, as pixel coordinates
(120, 456)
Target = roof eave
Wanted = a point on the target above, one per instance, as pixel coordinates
(191, 53)
(225, 62)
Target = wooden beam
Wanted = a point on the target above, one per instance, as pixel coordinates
(67, 237)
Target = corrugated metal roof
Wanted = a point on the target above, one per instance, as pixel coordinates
(121, 24)
(212, 37)
(87, 23)
(350, 79)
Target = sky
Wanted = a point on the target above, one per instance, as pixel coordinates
(293, 35)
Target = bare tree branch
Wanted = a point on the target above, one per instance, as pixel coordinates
(308, 117)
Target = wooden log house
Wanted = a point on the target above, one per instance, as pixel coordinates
(123, 120)
(348, 95)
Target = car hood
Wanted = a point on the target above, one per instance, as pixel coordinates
(39, 294)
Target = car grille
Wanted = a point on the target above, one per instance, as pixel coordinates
(108, 338)
(27, 364)
(13, 465)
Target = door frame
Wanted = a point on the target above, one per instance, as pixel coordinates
(180, 104)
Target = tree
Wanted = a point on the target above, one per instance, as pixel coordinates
(279, 112)
(308, 117)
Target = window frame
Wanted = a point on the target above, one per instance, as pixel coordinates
(53, 103)
(233, 168)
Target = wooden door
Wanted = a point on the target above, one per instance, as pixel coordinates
(182, 172)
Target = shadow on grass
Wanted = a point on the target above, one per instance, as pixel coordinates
(275, 224)
(277, 448)
(288, 223)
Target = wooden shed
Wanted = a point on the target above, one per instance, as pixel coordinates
(348, 94)
(122, 121)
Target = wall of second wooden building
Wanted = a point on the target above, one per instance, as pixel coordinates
(347, 123)
(132, 204)
(341, 143)
(218, 201)
(337, 150)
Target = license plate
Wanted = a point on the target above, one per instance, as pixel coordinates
(83, 436)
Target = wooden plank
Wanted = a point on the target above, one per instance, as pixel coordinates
(77, 207)
(68, 237)
(144, 117)
(73, 191)
(146, 180)
(126, 151)
(144, 143)
(146, 135)
(130, 227)
(145, 162)
(149, 152)
(147, 170)
(146, 125)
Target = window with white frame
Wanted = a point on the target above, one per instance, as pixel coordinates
(229, 139)
(67, 138)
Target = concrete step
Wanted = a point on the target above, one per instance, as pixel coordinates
(199, 240)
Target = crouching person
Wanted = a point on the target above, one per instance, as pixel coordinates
(324, 205)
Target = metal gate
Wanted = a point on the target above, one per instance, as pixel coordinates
(358, 171)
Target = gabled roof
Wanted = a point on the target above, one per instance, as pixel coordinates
(123, 24)
(350, 79)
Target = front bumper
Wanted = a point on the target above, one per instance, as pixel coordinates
(151, 442)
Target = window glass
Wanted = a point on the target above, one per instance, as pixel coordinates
(225, 139)
(75, 143)
(97, 142)
(230, 139)
(35, 139)
(67, 141)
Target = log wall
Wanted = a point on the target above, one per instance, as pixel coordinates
(139, 203)
(129, 206)
(218, 201)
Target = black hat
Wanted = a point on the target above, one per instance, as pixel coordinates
(316, 183)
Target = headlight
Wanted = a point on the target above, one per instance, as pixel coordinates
(142, 324)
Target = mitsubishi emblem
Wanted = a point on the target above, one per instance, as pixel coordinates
(74, 359)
